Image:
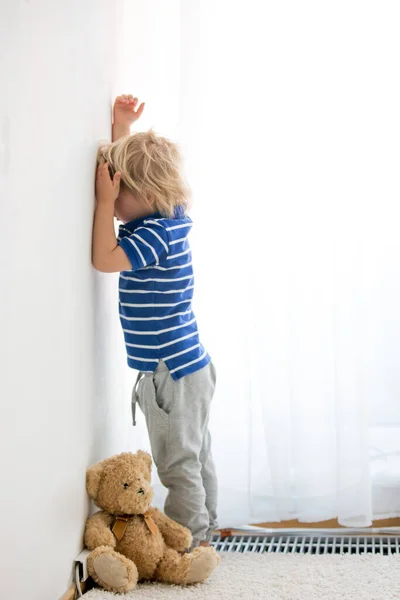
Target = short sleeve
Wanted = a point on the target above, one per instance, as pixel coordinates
(146, 246)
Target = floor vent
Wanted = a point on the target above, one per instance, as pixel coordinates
(307, 544)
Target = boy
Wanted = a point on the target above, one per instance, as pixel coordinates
(139, 181)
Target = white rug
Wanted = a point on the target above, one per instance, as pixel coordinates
(284, 577)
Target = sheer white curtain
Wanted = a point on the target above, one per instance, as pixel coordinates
(288, 116)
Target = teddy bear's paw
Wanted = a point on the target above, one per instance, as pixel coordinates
(203, 561)
(112, 571)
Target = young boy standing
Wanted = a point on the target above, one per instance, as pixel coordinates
(139, 181)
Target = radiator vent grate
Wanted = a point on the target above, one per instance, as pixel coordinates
(307, 544)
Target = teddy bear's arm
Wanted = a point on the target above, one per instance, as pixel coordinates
(98, 532)
(175, 536)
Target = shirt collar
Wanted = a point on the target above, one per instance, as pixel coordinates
(179, 213)
(133, 224)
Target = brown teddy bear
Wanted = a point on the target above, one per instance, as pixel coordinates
(131, 541)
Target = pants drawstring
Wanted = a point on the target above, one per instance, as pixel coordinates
(135, 397)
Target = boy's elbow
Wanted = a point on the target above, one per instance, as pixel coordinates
(101, 269)
(113, 262)
(100, 265)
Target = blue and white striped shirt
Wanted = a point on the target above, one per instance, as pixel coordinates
(155, 297)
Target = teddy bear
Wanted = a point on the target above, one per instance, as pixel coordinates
(131, 541)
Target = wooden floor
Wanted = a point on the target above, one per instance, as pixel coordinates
(332, 524)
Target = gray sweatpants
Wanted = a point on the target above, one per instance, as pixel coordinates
(177, 414)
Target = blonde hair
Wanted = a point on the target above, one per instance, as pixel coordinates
(151, 168)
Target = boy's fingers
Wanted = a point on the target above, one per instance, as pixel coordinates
(117, 180)
(140, 110)
(126, 99)
(102, 168)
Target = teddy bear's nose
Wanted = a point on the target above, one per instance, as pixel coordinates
(141, 491)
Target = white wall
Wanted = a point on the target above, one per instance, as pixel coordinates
(58, 319)
(64, 384)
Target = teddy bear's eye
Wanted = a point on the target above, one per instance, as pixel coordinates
(125, 486)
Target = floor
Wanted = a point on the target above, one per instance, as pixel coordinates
(331, 524)
(284, 577)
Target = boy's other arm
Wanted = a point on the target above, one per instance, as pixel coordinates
(107, 256)
(124, 115)
(119, 130)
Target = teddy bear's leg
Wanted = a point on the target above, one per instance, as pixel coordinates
(112, 571)
(189, 568)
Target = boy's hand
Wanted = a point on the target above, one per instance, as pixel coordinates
(126, 111)
(107, 189)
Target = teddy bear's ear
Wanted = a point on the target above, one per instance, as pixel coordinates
(146, 459)
(93, 476)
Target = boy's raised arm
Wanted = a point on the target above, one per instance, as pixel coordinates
(124, 115)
